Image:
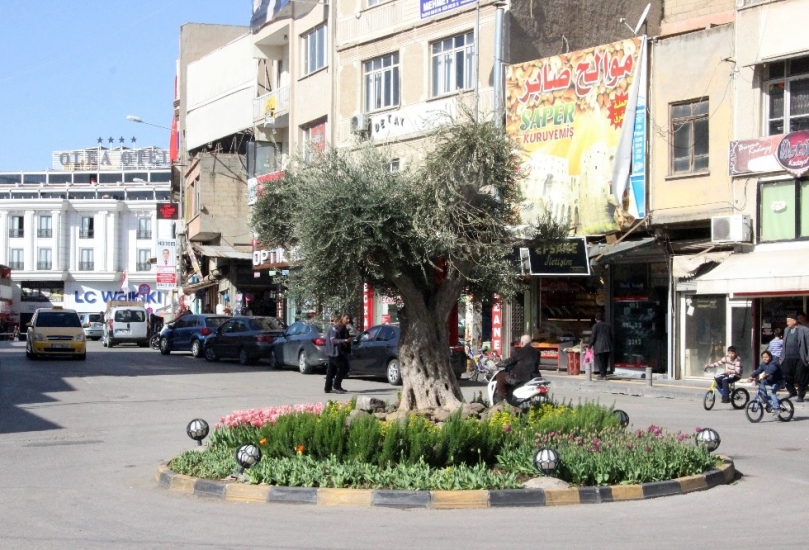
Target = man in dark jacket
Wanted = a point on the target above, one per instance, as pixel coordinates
(601, 342)
(336, 338)
(795, 357)
(520, 366)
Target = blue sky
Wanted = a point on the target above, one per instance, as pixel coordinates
(70, 71)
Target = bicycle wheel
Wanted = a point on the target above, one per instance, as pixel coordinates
(709, 400)
(786, 410)
(754, 411)
(739, 398)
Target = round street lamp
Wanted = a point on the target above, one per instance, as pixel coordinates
(546, 460)
(246, 456)
(709, 438)
(622, 417)
(197, 430)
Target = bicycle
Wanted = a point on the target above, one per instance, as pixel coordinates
(483, 364)
(761, 402)
(739, 397)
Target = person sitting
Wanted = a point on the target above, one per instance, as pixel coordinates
(733, 371)
(769, 374)
(519, 367)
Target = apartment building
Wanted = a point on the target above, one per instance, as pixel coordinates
(69, 233)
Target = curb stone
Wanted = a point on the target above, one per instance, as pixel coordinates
(443, 500)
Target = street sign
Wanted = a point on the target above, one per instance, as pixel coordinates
(144, 289)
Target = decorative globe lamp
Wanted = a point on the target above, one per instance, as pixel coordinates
(197, 430)
(709, 438)
(546, 460)
(246, 456)
(622, 417)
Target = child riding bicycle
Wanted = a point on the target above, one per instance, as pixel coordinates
(769, 374)
(733, 371)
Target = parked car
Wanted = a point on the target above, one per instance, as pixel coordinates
(126, 324)
(302, 344)
(247, 339)
(188, 333)
(55, 332)
(93, 325)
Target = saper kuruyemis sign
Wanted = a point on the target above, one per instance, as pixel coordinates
(580, 121)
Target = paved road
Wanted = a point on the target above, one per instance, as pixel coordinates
(79, 444)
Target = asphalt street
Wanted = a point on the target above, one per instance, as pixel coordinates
(80, 443)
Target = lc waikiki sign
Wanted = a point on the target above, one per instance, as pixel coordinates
(93, 297)
(580, 120)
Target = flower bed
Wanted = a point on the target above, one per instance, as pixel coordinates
(318, 445)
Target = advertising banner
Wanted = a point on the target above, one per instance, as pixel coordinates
(435, 7)
(581, 127)
(753, 156)
(567, 258)
(793, 152)
(256, 185)
(166, 264)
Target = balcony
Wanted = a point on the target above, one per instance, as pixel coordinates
(271, 109)
(143, 266)
(44, 233)
(144, 233)
(16, 265)
(16, 232)
(86, 266)
(44, 266)
(86, 234)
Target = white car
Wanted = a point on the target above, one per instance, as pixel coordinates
(126, 324)
(93, 325)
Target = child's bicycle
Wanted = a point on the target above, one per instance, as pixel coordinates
(483, 364)
(761, 402)
(739, 397)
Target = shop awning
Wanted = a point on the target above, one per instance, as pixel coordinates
(759, 273)
(223, 252)
(603, 253)
(685, 266)
(188, 289)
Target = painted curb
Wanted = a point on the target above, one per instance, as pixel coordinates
(442, 500)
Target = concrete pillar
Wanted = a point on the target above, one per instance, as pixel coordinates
(29, 252)
(56, 226)
(4, 238)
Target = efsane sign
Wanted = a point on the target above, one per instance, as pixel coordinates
(793, 152)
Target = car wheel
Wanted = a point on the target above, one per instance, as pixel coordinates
(196, 349)
(110, 342)
(244, 358)
(303, 364)
(165, 348)
(393, 372)
(30, 354)
(104, 341)
(210, 355)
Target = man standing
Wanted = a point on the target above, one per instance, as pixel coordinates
(601, 342)
(336, 337)
(524, 359)
(795, 358)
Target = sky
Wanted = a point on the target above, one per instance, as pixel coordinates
(71, 71)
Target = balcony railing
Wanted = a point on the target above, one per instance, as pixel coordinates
(86, 266)
(144, 233)
(144, 266)
(44, 233)
(270, 106)
(44, 266)
(16, 232)
(86, 233)
(16, 265)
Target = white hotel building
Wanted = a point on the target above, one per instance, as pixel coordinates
(69, 233)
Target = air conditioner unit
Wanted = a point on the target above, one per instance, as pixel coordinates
(360, 125)
(731, 229)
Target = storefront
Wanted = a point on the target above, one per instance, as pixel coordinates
(31, 295)
(92, 297)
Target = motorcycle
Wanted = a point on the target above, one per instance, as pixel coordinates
(522, 395)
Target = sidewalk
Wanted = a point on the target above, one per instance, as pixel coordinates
(692, 390)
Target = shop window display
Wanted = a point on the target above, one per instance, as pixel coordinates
(705, 332)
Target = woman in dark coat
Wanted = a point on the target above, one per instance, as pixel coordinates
(601, 342)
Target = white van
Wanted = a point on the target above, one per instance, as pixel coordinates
(126, 324)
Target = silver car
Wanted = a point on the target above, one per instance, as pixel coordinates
(93, 325)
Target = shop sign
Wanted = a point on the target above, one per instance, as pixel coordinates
(497, 325)
(436, 7)
(753, 156)
(414, 118)
(793, 152)
(568, 257)
(255, 185)
(367, 305)
(168, 211)
(267, 259)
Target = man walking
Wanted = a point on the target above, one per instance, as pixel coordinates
(795, 358)
(601, 342)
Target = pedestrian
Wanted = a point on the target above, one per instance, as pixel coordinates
(519, 367)
(350, 333)
(802, 319)
(776, 345)
(335, 338)
(733, 371)
(795, 359)
(601, 343)
(16, 334)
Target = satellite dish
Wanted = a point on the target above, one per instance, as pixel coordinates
(642, 19)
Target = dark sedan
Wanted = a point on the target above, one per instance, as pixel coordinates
(188, 333)
(302, 344)
(247, 339)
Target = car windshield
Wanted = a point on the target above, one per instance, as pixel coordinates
(213, 322)
(95, 318)
(57, 319)
(318, 327)
(267, 323)
(130, 316)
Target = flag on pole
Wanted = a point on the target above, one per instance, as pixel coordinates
(124, 282)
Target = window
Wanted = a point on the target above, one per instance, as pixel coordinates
(16, 259)
(382, 82)
(314, 139)
(140, 195)
(780, 210)
(314, 50)
(453, 64)
(42, 291)
(86, 259)
(394, 165)
(787, 90)
(689, 137)
(372, 3)
(144, 254)
(16, 226)
(44, 259)
(45, 229)
(34, 178)
(162, 195)
(144, 228)
(86, 231)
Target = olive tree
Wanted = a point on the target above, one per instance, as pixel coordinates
(427, 234)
